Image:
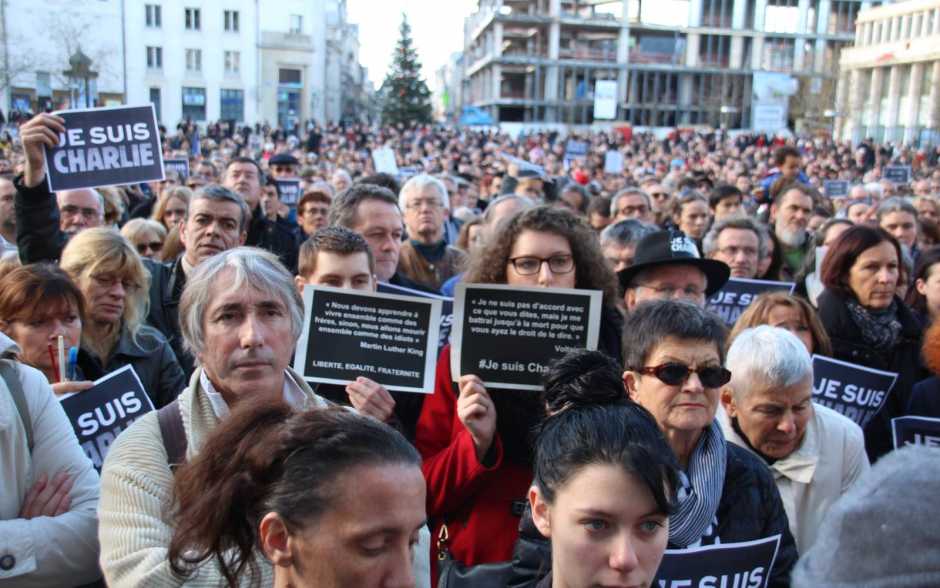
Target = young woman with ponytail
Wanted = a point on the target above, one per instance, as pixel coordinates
(331, 499)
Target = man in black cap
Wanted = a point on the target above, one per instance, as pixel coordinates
(283, 166)
(667, 265)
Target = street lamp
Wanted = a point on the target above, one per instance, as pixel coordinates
(81, 79)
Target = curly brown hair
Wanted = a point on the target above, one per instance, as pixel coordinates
(591, 271)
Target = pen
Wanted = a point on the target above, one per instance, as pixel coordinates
(73, 363)
(61, 356)
(55, 363)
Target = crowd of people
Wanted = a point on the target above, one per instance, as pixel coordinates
(675, 433)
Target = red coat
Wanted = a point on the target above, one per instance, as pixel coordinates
(475, 501)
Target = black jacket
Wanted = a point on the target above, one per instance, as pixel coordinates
(38, 236)
(904, 360)
(151, 358)
(274, 237)
(925, 398)
(166, 287)
(750, 508)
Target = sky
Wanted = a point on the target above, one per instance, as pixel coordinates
(436, 29)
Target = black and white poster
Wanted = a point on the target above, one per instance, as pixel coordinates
(726, 565)
(180, 166)
(105, 147)
(507, 335)
(387, 338)
(99, 414)
(915, 430)
(447, 308)
(855, 391)
(897, 174)
(738, 293)
(288, 192)
(836, 188)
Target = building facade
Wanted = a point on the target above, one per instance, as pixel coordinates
(675, 62)
(251, 61)
(889, 85)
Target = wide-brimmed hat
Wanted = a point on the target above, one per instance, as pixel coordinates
(283, 159)
(674, 248)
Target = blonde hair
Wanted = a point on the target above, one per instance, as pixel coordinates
(758, 314)
(180, 192)
(141, 228)
(104, 250)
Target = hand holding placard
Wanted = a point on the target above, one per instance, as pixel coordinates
(39, 132)
(476, 411)
(370, 398)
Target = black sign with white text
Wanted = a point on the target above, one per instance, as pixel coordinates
(387, 338)
(855, 391)
(725, 565)
(180, 166)
(836, 188)
(915, 430)
(897, 174)
(738, 293)
(447, 308)
(508, 335)
(288, 192)
(99, 414)
(105, 147)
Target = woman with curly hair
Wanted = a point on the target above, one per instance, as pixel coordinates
(474, 440)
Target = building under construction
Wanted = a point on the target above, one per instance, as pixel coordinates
(676, 62)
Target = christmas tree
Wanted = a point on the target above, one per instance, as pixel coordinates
(406, 98)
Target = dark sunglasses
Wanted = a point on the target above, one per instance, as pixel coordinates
(675, 374)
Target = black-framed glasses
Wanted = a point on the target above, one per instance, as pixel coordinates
(529, 266)
(675, 374)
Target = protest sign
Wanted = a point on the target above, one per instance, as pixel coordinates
(447, 308)
(915, 430)
(836, 188)
(288, 192)
(574, 149)
(180, 166)
(605, 99)
(522, 164)
(897, 174)
(613, 162)
(855, 391)
(738, 293)
(725, 565)
(388, 338)
(406, 172)
(384, 161)
(507, 335)
(105, 147)
(99, 414)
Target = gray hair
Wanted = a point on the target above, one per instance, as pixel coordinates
(656, 320)
(418, 184)
(896, 204)
(254, 268)
(344, 210)
(745, 223)
(218, 193)
(768, 356)
(614, 206)
(98, 197)
(626, 232)
(525, 201)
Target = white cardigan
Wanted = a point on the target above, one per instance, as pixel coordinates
(829, 461)
(46, 551)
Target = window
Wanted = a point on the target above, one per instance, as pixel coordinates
(232, 105)
(154, 16)
(782, 16)
(194, 60)
(194, 103)
(192, 19)
(155, 100)
(288, 76)
(154, 57)
(296, 24)
(231, 21)
(232, 62)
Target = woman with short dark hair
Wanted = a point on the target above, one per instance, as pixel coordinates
(868, 324)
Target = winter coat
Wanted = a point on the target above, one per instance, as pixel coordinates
(38, 236)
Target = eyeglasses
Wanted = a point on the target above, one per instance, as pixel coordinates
(629, 210)
(110, 281)
(671, 291)
(676, 374)
(316, 211)
(155, 246)
(88, 213)
(529, 266)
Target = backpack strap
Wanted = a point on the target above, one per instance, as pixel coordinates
(9, 374)
(174, 436)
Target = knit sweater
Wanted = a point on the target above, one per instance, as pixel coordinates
(136, 507)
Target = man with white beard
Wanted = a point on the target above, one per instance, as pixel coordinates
(790, 215)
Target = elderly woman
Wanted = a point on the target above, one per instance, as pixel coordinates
(779, 309)
(868, 324)
(172, 206)
(146, 235)
(814, 453)
(673, 356)
(114, 285)
(475, 441)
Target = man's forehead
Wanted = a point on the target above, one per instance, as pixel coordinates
(331, 261)
(223, 293)
(216, 208)
(78, 197)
